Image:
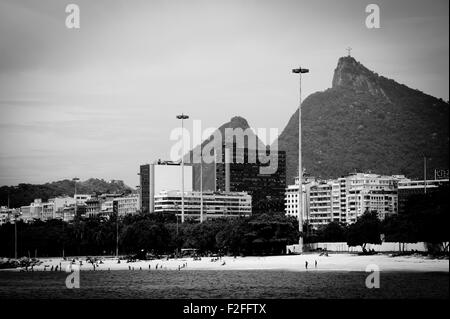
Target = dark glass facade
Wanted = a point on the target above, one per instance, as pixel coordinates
(267, 190)
(145, 187)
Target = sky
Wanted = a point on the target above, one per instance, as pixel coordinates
(100, 100)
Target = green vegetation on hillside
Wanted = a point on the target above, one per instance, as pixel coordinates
(368, 123)
(24, 194)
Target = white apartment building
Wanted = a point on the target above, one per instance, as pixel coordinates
(8, 215)
(373, 192)
(107, 207)
(321, 205)
(32, 211)
(82, 198)
(64, 207)
(344, 199)
(61, 202)
(215, 204)
(291, 198)
(126, 205)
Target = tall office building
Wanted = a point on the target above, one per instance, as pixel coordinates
(144, 178)
(243, 171)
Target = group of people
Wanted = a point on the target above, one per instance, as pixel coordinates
(182, 266)
(306, 264)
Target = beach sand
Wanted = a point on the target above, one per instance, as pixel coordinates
(334, 262)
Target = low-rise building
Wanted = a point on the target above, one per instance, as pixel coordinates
(215, 204)
(107, 207)
(126, 205)
(93, 207)
(8, 215)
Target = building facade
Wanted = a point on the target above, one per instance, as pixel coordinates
(161, 176)
(215, 204)
(123, 206)
(344, 199)
(8, 215)
(243, 172)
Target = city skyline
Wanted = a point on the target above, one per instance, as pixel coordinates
(100, 101)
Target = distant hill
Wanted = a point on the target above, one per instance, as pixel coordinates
(24, 194)
(367, 122)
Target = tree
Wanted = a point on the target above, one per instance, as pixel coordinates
(398, 228)
(332, 232)
(366, 230)
(427, 214)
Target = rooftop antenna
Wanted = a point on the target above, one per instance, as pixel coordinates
(349, 50)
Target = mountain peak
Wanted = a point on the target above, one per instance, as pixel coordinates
(351, 74)
(367, 122)
(238, 121)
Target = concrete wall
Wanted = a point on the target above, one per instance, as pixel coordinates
(343, 247)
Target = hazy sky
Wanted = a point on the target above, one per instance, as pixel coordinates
(101, 100)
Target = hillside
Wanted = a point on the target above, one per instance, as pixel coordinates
(208, 169)
(24, 194)
(367, 122)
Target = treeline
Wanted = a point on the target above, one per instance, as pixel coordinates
(257, 235)
(426, 219)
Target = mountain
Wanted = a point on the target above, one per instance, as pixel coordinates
(236, 122)
(24, 194)
(366, 122)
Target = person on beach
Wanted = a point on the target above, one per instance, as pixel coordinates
(315, 263)
(306, 264)
(149, 267)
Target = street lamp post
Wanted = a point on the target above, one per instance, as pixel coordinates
(138, 187)
(75, 194)
(182, 117)
(300, 71)
(176, 215)
(201, 184)
(15, 228)
(117, 234)
(15, 236)
(425, 174)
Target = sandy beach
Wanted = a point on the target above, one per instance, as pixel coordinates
(332, 262)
